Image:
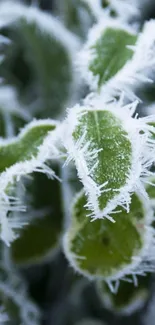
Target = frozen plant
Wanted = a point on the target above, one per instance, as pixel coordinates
(77, 153)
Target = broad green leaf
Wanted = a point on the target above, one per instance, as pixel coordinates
(102, 249)
(106, 52)
(102, 150)
(128, 298)
(39, 59)
(20, 156)
(104, 131)
(107, 145)
(136, 78)
(111, 53)
(40, 239)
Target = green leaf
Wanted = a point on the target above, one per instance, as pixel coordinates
(25, 146)
(40, 239)
(135, 79)
(21, 156)
(102, 150)
(107, 145)
(102, 249)
(106, 52)
(39, 59)
(111, 53)
(129, 297)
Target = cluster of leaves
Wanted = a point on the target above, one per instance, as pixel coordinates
(77, 178)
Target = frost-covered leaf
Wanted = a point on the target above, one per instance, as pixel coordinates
(138, 74)
(129, 297)
(102, 249)
(112, 152)
(25, 146)
(106, 52)
(20, 156)
(40, 239)
(39, 60)
(135, 77)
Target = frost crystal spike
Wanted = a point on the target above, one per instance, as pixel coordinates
(112, 72)
(40, 239)
(112, 152)
(129, 297)
(106, 51)
(137, 72)
(21, 156)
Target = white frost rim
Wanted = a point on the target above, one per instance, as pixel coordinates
(142, 157)
(47, 150)
(142, 261)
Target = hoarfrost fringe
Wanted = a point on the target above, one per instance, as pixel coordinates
(11, 12)
(135, 304)
(137, 72)
(143, 261)
(47, 151)
(143, 154)
(87, 54)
